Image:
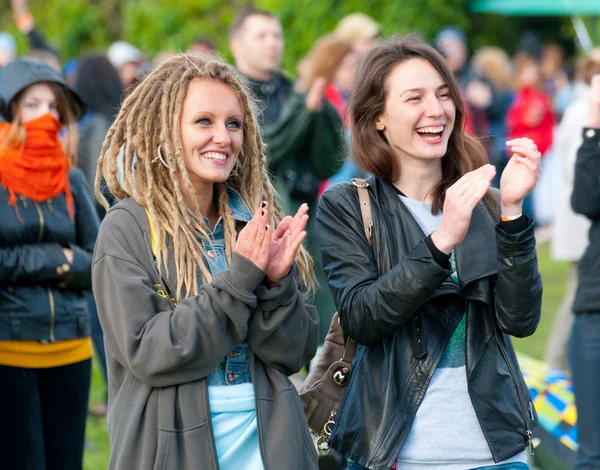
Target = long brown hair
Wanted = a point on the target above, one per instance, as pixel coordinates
(16, 137)
(150, 117)
(369, 147)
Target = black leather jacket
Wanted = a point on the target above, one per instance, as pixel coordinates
(36, 303)
(398, 307)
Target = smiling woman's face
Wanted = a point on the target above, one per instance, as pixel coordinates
(211, 129)
(419, 113)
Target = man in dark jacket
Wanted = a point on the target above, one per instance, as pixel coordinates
(303, 133)
(584, 349)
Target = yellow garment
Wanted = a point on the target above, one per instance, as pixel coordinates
(35, 355)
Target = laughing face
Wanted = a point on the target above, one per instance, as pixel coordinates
(419, 113)
(211, 126)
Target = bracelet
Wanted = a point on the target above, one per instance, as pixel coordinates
(509, 218)
(24, 22)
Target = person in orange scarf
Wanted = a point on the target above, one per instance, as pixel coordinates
(47, 235)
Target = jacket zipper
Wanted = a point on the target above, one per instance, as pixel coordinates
(52, 314)
(50, 294)
(528, 433)
(41, 214)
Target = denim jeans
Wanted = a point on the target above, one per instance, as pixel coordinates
(507, 466)
(584, 358)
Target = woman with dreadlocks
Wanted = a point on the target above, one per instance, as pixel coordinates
(201, 299)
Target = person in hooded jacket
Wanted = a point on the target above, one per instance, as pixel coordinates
(49, 226)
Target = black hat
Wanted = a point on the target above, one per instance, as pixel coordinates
(20, 73)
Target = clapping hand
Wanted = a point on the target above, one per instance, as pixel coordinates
(285, 243)
(254, 240)
(520, 175)
(461, 199)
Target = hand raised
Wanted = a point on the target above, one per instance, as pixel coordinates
(254, 239)
(461, 199)
(314, 97)
(520, 174)
(285, 243)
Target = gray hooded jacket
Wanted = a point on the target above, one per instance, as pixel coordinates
(159, 353)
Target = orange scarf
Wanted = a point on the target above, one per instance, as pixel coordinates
(38, 170)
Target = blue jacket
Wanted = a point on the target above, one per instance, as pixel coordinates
(35, 302)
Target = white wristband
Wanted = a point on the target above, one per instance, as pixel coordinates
(509, 218)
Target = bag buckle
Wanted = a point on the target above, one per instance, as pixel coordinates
(359, 183)
(323, 442)
(340, 377)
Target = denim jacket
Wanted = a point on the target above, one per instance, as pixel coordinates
(234, 369)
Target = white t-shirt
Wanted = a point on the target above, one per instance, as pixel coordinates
(446, 434)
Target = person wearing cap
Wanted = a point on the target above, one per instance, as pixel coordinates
(452, 44)
(126, 59)
(49, 227)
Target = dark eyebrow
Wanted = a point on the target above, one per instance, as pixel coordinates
(420, 90)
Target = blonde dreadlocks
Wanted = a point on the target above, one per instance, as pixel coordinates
(150, 117)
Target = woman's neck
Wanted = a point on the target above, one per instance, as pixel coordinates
(418, 178)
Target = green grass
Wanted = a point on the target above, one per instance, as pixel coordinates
(96, 435)
(554, 276)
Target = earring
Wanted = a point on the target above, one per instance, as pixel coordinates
(380, 127)
(160, 157)
(236, 169)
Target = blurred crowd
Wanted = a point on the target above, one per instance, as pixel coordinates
(537, 92)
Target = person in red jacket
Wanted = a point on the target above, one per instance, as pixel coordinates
(531, 112)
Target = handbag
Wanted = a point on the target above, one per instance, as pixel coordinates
(323, 390)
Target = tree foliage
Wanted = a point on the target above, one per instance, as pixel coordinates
(75, 27)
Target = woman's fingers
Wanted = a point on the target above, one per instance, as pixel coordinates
(477, 194)
(261, 224)
(527, 162)
(530, 152)
(303, 209)
(300, 226)
(296, 242)
(473, 187)
(521, 141)
(266, 243)
(282, 227)
(486, 172)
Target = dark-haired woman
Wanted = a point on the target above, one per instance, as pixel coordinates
(436, 383)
